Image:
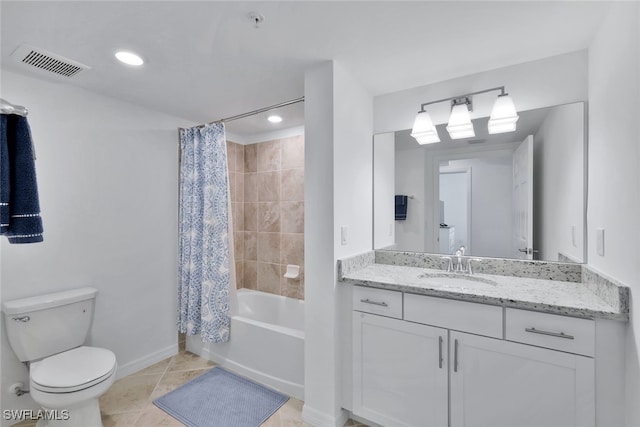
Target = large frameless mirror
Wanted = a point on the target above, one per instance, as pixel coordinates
(511, 195)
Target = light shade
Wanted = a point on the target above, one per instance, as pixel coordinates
(423, 129)
(460, 125)
(503, 115)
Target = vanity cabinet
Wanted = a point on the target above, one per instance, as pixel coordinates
(400, 372)
(443, 362)
(505, 384)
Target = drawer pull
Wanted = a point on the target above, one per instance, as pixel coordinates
(440, 352)
(551, 334)
(380, 303)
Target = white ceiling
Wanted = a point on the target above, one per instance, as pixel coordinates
(205, 60)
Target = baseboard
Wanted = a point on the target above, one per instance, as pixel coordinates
(146, 361)
(321, 419)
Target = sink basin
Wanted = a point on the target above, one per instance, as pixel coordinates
(450, 278)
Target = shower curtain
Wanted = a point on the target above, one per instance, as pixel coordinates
(205, 255)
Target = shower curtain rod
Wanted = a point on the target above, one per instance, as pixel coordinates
(254, 112)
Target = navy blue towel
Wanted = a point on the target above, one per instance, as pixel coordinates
(401, 208)
(19, 205)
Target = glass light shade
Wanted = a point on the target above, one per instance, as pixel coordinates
(503, 115)
(460, 125)
(423, 129)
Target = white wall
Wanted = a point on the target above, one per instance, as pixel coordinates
(107, 175)
(614, 156)
(410, 180)
(320, 339)
(384, 190)
(264, 136)
(338, 192)
(559, 183)
(550, 81)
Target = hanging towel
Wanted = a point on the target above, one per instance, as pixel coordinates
(19, 204)
(401, 208)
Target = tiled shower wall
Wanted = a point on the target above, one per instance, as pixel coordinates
(267, 203)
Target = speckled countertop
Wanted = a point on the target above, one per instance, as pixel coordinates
(551, 296)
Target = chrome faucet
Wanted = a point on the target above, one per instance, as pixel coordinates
(449, 263)
(469, 269)
(459, 255)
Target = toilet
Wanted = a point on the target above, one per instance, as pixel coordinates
(66, 377)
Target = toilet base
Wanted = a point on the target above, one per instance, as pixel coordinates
(85, 415)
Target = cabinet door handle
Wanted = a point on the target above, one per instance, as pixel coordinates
(455, 355)
(440, 352)
(380, 303)
(551, 334)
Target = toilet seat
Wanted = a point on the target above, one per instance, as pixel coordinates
(73, 370)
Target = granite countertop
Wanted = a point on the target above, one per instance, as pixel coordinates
(551, 296)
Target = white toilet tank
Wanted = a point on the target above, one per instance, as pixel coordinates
(43, 325)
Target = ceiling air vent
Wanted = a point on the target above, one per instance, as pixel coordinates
(47, 62)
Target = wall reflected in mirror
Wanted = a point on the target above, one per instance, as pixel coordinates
(512, 195)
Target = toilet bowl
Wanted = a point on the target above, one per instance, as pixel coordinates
(72, 381)
(66, 378)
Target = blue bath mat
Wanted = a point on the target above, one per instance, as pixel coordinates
(219, 398)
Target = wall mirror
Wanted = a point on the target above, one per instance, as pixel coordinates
(511, 195)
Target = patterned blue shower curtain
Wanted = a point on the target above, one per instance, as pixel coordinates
(204, 276)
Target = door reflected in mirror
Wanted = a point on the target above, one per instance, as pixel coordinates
(511, 195)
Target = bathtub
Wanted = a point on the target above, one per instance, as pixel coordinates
(267, 342)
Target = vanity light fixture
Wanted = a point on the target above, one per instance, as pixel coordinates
(424, 130)
(503, 117)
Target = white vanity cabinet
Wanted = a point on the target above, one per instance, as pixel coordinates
(400, 372)
(443, 362)
(505, 384)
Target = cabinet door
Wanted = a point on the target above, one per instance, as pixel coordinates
(399, 372)
(498, 383)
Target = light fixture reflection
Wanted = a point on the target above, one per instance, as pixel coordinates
(424, 130)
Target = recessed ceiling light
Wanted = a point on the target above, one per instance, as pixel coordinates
(274, 119)
(129, 58)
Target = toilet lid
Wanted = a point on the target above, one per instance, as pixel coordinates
(78, 368)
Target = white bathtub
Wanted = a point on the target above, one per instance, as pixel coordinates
(267, 342)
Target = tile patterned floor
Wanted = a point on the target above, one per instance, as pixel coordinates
(129, 401)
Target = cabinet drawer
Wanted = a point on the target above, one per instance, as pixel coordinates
(378, 301)
(563, 333)
(463, 316)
